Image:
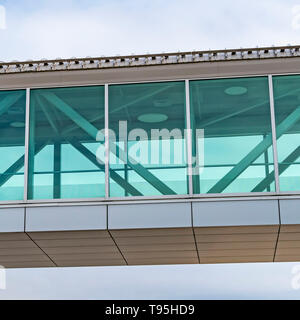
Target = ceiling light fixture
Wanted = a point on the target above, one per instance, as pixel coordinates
(17, 124)
(236, 91)
(152, 117)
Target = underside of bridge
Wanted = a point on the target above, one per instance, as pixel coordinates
(230, 231)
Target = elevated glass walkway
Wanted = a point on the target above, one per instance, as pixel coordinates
(152, 165)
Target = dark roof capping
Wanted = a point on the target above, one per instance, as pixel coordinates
(149, 59)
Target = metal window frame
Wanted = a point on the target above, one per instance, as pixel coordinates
(26, 157)
(274, 135)
(93, 202)
(183, 197)
(106, 129)
(219, 186)
(189, 137)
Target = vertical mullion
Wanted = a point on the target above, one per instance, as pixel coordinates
(266, 159)
(106, 97)
(274, 135)
(26, 162)
(189, 136)
(57, 171)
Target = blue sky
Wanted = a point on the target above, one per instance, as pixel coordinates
(51, 29)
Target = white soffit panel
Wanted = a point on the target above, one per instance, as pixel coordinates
(235, 213)
(290, 211)
(162, 215)
(66, 218)
(12, 220)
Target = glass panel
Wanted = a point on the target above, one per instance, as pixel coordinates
(232, 141)
(63, 151)
(12, 144)
(287, 114)
(147, 145)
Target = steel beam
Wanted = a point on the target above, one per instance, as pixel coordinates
(214, 120)
(9, 100)
(89, 155)
(283, 127)
(114, 176)
(95, 133)
(126, 105)
(286, 163)
(16, 166)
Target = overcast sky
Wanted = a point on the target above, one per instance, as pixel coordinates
(74, 28)
(66, 28)
(230, 281)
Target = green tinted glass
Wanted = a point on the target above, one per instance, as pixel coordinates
(287, 114)
(147, 145)
(12, 141)
(234, 151)
(64, 123)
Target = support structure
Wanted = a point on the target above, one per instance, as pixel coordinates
(255, 153)
(149, 217)
(94, 133)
